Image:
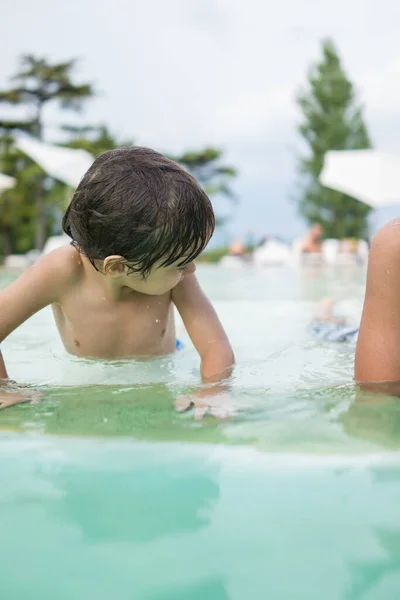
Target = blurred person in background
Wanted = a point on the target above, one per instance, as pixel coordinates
(312, 242)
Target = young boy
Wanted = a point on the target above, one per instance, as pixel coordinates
(137, 221)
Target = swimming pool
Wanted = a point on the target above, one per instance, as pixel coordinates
(106, 492)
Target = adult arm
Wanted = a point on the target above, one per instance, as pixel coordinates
(377, 362)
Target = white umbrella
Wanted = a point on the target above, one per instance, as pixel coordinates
(6, 182)
(65, 164)
(368, 175)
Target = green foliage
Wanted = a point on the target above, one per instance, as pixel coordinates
(215, 178)
(17, 205)
(95, 139)
(38, 82)
(332, 120)
(32, 210)
(8, 126)
(212, 256)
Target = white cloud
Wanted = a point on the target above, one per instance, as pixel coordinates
(255, 116)
(380, 88)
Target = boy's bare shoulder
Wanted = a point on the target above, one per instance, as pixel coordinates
(62, 266)
(42, 284)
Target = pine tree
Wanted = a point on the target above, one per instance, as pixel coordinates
(39, 82)
(332, 121)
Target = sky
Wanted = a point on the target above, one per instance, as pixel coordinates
(182, 74)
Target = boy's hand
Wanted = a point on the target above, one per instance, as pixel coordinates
(217, 404)
(10, 396)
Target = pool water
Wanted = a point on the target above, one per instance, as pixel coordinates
(106, 492)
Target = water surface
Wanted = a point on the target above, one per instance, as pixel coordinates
(106, 492)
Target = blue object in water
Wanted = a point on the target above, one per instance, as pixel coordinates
(179, 345)
(334, 332)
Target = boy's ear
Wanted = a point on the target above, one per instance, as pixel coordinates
(115, 266)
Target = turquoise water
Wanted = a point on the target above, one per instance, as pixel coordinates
(106, 492)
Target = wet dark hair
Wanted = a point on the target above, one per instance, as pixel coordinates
(136, 203)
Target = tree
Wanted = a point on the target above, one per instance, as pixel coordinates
(17, 207)
(332, 121)
(215, 178)
(39, 82)
(95, 139)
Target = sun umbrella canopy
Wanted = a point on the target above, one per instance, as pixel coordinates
(65, 164)
(6, 182)
(370, 176)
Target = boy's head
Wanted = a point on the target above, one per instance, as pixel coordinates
(136, 212)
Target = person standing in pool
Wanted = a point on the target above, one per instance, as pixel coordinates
(137, 222)
(312, 242)
(377, 361)
(377, 338)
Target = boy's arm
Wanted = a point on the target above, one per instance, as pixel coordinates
(205, 330)
(37, 287)
(378, 346)
(3, 370)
